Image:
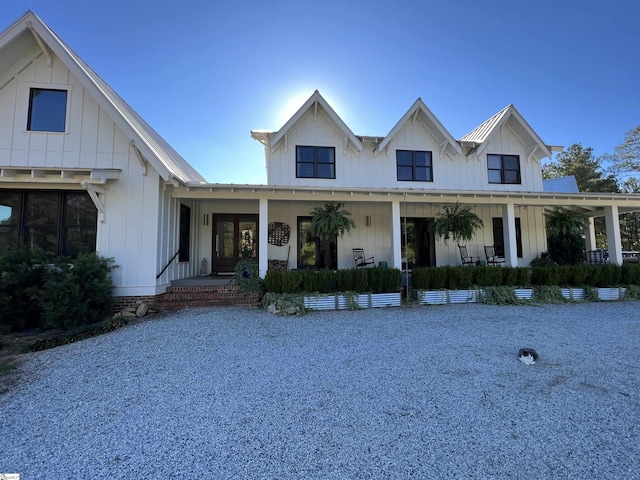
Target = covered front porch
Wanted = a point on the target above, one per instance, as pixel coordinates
(392, 225)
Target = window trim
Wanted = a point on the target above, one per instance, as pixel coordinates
(27, 106)
(414, 167)
(503, 169)
(315, 161)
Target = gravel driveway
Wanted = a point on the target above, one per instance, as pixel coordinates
(429, 392)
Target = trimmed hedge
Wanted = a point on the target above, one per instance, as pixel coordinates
(375, 280)
(459, 277)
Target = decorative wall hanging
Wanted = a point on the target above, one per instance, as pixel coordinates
(279, 233)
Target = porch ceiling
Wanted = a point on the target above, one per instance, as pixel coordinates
(592, 203)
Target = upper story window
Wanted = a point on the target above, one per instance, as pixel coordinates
(503, 168)
(47, 110)
(315, 162)
(414, 166)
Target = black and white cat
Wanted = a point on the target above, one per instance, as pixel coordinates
(528, 356)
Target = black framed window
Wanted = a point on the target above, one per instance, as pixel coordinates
(47, 110)
(414, 166)
(52, 222)
(503, 168)
(315, 162)
(498, 236)
(185, 233)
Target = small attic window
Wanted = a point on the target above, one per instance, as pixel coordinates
(47, 110)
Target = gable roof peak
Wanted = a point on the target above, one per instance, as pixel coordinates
(166, 161)
(315, 99)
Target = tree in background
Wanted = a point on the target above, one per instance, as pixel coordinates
(630, 222)
(626, 157)
(625, 162)
(581, 163)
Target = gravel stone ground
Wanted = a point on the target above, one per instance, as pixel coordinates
(428, 392)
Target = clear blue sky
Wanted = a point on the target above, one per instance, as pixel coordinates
(204, 73)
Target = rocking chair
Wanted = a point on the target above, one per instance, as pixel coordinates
(466, 258)
(361, 260)
(492, 258)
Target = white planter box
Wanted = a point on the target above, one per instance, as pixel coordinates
(320, 303)
(362, 300)
(463, 296)
(609, 293)
(432, 297)
(523, 293)
(386, 299)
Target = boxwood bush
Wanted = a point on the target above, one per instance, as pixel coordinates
(58, 293)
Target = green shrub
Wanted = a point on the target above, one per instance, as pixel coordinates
(459, 278)
(548, 276)
(630, 274)
(322, 281)
(247, 276)
(283, 282)
(500, 295)
(547, 294)
(77, 293)
(392, 278)
(428, 278)
(487, 276)
(579, 275)
(632, 293)
(352, 280)
(22, 278)
(375, 279)
(516, 276)
(544, 260)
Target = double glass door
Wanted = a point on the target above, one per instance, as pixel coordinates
(234, 237)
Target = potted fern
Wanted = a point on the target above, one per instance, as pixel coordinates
(327, 223)
(457, 222)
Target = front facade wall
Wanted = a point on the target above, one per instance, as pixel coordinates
(130, 229)
(378, 169)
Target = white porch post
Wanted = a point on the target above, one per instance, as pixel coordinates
(263, 237)
(509, 226)
(614, 242)
(590, 235)
(396, 230)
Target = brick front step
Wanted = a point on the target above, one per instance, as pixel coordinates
(204, 296)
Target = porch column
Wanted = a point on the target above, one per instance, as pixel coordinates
(396, 235)
(263, 237)
(509, 226)
(614, 242)
(590, 235)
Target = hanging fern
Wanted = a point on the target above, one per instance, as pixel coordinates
(457, 222)
(331, 220)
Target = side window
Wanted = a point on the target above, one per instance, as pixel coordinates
(185, 233)
(47, 110)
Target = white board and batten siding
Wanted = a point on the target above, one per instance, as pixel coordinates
(130, 231)
(377, 169)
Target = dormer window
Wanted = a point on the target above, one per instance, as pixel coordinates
(47, 110)
(315, 162)
(503, 168)
(414, 166)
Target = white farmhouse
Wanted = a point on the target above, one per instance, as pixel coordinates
(80, 171)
